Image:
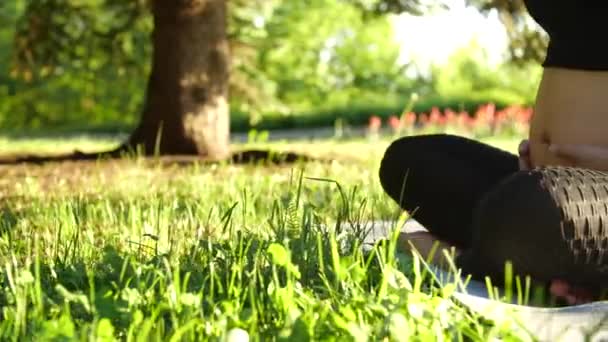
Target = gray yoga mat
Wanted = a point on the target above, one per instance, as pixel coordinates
(588, 322)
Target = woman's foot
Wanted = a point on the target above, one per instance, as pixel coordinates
(571, 294)
(424, 242)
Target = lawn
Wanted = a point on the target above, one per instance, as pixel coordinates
(144, 250)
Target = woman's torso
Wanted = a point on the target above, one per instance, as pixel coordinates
(571, 108)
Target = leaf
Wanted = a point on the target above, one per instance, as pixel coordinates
(278, 254)
(398, 327)
(190, 299)
(72, 297)
(397, 280)
(25, 278)
(59, 328)
(105, 330)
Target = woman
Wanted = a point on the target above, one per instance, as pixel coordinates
(442, 179)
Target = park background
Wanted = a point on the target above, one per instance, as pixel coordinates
(294, 66)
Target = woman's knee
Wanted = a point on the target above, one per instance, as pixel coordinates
(402, 158)
(413, 156)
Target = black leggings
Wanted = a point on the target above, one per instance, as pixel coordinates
(576, 32)
(549, 222)
(440, 178)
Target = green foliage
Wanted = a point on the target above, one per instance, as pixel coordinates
(79, 88)
(527, 41)
(323, 52)
(57, 36)
(266, 79)
(295, 64)
(468, 75)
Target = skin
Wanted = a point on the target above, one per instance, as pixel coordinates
(595, 157)
(560, 134)
(560, 131)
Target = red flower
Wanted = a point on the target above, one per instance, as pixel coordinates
(501, 117)
(375, 122)
(394, 122)
(485, 114)
(450, 117)
(524, 115)
(442, 120)
(511, 112)
(423, 119)
(410, 118)
(435, 117)
(490, 109)
(463, 119)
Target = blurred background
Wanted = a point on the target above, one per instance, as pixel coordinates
(295, 64)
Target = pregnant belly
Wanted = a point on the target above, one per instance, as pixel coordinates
(571, 108)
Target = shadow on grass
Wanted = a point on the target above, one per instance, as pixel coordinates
(251, 156)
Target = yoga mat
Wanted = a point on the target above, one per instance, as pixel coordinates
(588, 322)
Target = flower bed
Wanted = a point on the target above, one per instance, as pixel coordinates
(486, 121)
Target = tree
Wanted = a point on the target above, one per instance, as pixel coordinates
(187, 95)
(186, 107)
(527, 41)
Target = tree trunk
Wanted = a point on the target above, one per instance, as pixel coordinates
(186, 109)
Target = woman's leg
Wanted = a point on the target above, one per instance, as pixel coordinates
(548, 222)
(452, 178)
(440, 178)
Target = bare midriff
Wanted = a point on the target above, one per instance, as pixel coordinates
(571, 108)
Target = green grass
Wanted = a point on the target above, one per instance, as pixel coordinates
(127, 251)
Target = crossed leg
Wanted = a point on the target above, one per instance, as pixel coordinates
(440, 178)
